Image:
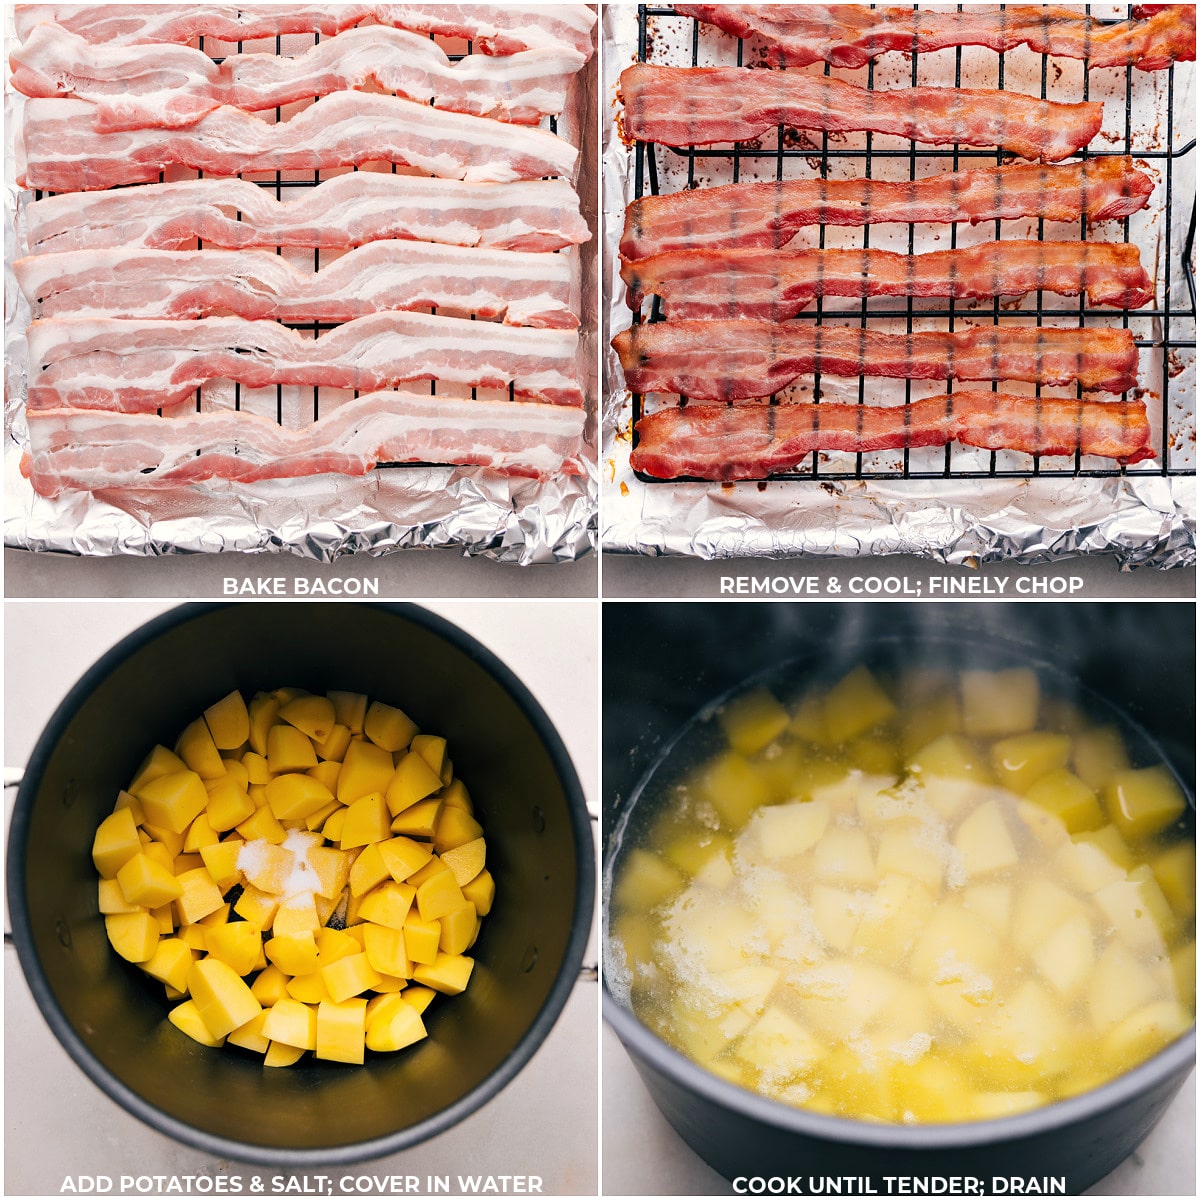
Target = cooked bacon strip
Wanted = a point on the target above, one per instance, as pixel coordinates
(769, 214)
(741, 360)
(176, 85)
(756, 441)
(63, 151)
(76, 450)
(493, 28)
(525, 289)
(851, 35)
(339, 213)
(775, 285)
(693, 106)
(139, 366)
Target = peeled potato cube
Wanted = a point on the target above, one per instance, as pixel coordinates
(448, 973)
(293, 954)
(289, 750)
(753, 720)
(293, 1023)
(221, 861)
(950, 757)
(134, 936)
(312, 715)
(413, 779)
(294, 796)
(147, 882)
(388, 904)
(782, 1042)
(222, 997)
(438, 896)
(1094, 859)
(228, 805)
(422, 938)
(263, 710)
(855, 704)
(110, 899)
(174, 799)
(432, 749)
(160, 761)
(257, 907)
(349, 709)
(1020, 761)
(296, 914)
(349, 976)
(341, 1030)
(645, 881)
(992, 902)
(418, 820)
(1040, 908)
(388, 727)
(785, 830)
(908, 850)
(1144, 1032)
(984, 843)
(250, 1036)
(197, 748)
(367, 820)
(844, 856)
(455, 795)
(1137, 911)
(1099, 754)
(457, 929)
(836, 914)
(386, 950)
(403, 857)
(466, 861)
(1144, 801)
(228, 722)
(367, 870)
(187, 1019)
(998, 703)
(1175, 870)
(734, 788)
(393, 1026)
(115, 843)
(279, 1054)
(1065, 959)
(1067, 797)
(454, 828)
(481, 891)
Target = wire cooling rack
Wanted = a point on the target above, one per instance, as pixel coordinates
(1154, 123)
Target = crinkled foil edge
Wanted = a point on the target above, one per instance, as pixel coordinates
(476, 510)
(1142, 520)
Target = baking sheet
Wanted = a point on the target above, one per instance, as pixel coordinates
(474, 509)
(957, 505)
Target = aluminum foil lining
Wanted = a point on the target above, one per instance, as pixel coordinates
(479, 511)
(1143, 516)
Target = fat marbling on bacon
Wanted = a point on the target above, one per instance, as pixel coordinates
(338, 213)
(523, 288)
(78, 449)
(62, 150)
(693, 106)
(851, 35)
(493, 28)
(769, 214)
(713, 361)
(776, 285)
(142, 365)
(174, 86)
(731, 442)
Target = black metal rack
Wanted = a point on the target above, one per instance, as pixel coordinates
(1176, 322)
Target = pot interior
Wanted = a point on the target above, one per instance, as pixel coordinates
(112, 1017)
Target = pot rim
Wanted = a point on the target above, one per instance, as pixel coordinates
(351, 1152)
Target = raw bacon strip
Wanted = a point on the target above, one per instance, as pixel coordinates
(741, 360)
(851, 35)
(494, 28)
(63, 151)
(693, 106)
(176, 85)
(769, 214)
(724, 443)
(139, 366)
(526, 289)
(348, 210)
(74, 450)
(774, 285)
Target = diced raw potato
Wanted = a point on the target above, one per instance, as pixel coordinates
(1120, 985)
(855, 704)
(147, 882)
(333, 748)
(367, 820)
(954, 945)
(455, 827)
(1175, 870)
(1027, 1039)
(296, 914)
(734, 787)
(237, 943)
(394, 1026)
(295, 954)
(134, 936)
(280, 1055)
(421, 939)
(1020, 761)
(875, 754)
(836, 913)
(172, 800)
(294, 796)
(645, 881)
(910, 849)
(808, 720)
(388, 727)
(843, 997)
(221, 995)
(263, 825)
(780, 1043)
(990, 901)
(197, 749)
(418, 820)
(403, 857)
(267, 867)
(115, 843)
(432, 749)
(752, 720)
(221, 861)
(228, 722)
(308, 989)
(892, 919)
(263, 710)
(466, 861)
(349, 709)
(998, 703)
(928, 1089)
(1098, 755)
(341, 1030)
(200, 833)
(349, 976)
(950, 757)
(289, 750)
(903, 1029)
(388, 904)
(433, 867)
(250, 1036)
(983, 841)
(1067, 797)
(691, 854)
(449, 973)
(458, 929)
(1144, 801)
(785, 830)
(481, 892)
(257, 907)
(413, 779)
(1138, 912)
(1067, 956)
(934, 717)
(186, 1018)
(198, 895)
(455, 795)
(843, 856)
(312, 715)
(386, 951)
(1040, 908)
(160, 761)
(1144, 1033)
(366, 769)
(1100, 857)
(110, 899)
(438, 896)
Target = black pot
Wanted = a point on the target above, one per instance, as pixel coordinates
(112, 1018)
(663, 664)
